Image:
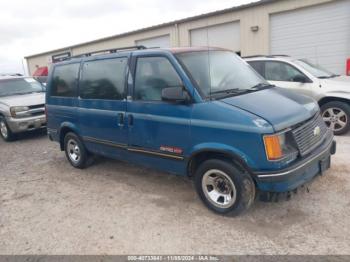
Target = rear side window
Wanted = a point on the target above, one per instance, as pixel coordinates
(104, 79)
(65, 79)
(258, 67)
(153, 74)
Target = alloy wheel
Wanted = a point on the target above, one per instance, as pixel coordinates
(335, 118)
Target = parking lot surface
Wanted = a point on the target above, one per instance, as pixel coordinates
(48, 207)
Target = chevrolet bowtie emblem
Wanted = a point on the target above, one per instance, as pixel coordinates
(317, 131)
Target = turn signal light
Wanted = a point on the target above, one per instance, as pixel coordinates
(348, 67)
(273, 147)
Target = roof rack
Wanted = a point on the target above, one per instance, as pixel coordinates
(278, 55)
(108, 51)
(251, 56)
(270, 56)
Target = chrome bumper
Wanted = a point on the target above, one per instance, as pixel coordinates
(18, 125)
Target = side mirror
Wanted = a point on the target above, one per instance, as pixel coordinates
(300, 79)
(175, 94)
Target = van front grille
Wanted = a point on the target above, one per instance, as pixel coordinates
(310, 135)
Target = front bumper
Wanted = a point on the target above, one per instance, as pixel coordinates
(18, 125)
(300, 173)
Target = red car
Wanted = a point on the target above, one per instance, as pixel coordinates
(40, 74)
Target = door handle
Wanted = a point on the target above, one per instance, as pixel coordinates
(130, 120)
(120, 119)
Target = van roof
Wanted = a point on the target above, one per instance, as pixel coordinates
(134, 49)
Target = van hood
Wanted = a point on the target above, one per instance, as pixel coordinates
(24, 100)
(280, 107)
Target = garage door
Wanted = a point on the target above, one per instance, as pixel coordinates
(320, 33)
(223, 35)
(159, 41)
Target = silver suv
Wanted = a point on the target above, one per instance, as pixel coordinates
(22, 106)
(330, 90)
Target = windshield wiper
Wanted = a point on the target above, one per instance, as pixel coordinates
(228, 91)
(240, 91)
(327, 77)
(334, 75)
(260, 86)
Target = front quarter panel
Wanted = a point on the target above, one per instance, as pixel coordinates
(218, 126)
(4, 109)
(337, 94)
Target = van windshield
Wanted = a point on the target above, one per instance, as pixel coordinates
(221, 73)
(19, 86)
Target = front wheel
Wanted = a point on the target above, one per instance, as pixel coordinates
(5, 131)
(336, 115)
(224, 188)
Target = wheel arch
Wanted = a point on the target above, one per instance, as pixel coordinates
(328, 99)
(64, 129)
(198, 157)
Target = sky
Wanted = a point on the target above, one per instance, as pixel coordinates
(34, 26)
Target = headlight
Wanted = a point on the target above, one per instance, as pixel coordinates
(18, 109)
(280, 147)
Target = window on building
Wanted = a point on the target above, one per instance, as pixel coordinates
(65, 78)
(153, 74)
(104, 79)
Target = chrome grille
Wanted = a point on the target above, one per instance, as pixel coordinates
(36, 110)
(306, 135)
(37, 106)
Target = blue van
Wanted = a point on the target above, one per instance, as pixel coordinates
(197, 112)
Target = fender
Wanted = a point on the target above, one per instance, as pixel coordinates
(235, 153)
(337, 94)
(70, 126)
(4, 110)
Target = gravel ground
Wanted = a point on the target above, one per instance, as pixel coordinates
(48, 207)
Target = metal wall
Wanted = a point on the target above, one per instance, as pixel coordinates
(320, 33)
(251, 43)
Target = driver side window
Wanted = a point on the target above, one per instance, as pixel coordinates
(153, 74)
(277, 71)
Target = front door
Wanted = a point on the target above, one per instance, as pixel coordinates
(158, 130)
(285, 75)
(102, 105)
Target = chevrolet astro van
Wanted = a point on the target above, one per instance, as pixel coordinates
(197, 112)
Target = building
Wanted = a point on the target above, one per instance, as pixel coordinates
(314, 29)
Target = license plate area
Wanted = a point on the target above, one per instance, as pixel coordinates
(324, 164)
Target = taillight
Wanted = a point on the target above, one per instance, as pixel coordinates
(348, 67)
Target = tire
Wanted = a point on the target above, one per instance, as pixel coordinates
(5, 131)
(75, 151)
(336, 115)
(213, 180)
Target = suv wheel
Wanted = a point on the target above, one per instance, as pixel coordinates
(224, 188)
(337, 116)
(75, 151)
(5, 131)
